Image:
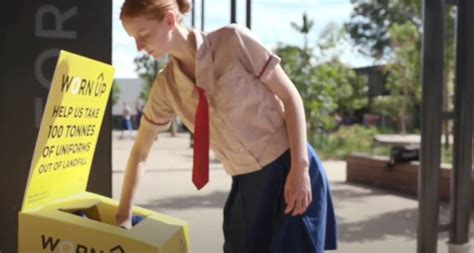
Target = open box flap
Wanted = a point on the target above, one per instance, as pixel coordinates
(69, 129)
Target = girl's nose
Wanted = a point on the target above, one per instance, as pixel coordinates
(139, 44)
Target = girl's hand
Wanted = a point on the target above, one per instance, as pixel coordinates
(123, 218)
(298, 191)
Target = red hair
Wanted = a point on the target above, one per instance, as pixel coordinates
(153, 8)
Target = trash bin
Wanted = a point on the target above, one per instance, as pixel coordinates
(58, 214)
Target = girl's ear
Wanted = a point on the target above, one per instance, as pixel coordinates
(170, 19)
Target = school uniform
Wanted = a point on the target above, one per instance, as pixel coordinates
(249, 136)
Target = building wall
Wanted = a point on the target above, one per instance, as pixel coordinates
(129, 92)
(31, 35)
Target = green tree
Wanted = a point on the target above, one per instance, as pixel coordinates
(333, 40)
(371, 21)
(326, 88)
(305, 29)
(115, 92)
(147, 68)
(336, 90)
(370, 29)
(295, 64)
(403, 79)
(448, 80)
(350, 90)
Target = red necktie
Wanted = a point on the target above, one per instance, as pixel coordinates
(201, 142)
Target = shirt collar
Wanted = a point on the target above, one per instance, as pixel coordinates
(204, 66)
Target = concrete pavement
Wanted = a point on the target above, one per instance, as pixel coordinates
(370, 220)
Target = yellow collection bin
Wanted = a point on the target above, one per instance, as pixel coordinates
(58, 215)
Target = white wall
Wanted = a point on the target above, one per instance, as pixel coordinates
(129, 91)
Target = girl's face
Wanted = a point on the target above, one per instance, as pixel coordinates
(152, 35)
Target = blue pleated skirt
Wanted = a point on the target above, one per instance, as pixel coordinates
(254, 218)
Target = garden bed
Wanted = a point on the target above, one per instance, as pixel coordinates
(402, 178)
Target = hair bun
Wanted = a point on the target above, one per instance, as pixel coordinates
(184, 6)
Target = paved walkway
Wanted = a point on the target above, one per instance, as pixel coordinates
(370, 220)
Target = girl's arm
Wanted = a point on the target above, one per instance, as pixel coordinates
(135, 168)
(298, 187)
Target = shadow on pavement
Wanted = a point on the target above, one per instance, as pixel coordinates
(377, 228)
(214, 199)
(399, 223)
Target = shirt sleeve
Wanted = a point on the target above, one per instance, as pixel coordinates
(254, 53)
(158, 112)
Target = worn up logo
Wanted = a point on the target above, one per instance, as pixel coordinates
(81, 86)
(51, 244)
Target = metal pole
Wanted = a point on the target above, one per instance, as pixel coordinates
(461, 178)
(202, 14)
(432, 80)
(233, 11)
(249, 14)
(193, 14)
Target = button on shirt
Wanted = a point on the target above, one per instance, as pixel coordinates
(246, 119)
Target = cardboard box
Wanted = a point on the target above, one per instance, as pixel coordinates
(58, 215)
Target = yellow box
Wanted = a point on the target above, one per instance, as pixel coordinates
(53, 229)
(58, 215)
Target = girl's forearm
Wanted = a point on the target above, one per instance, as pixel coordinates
(296, 127)
(136, 166)
(133, 173)
(281, 85)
